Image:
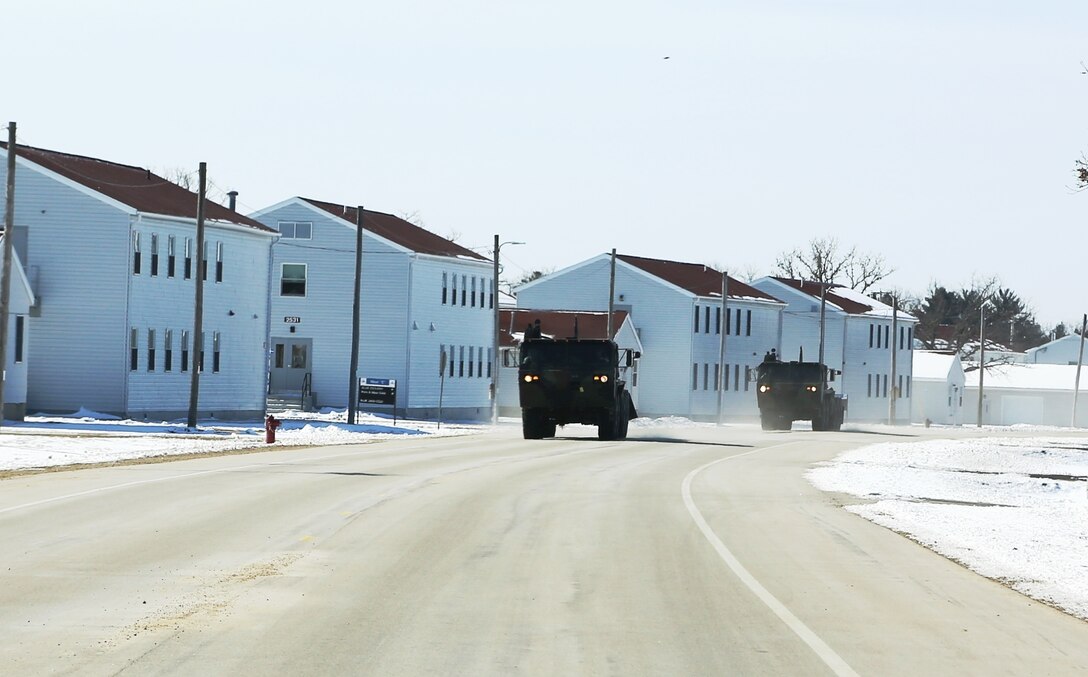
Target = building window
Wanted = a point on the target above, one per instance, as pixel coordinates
(453, 351)
(473, 300)
(483, 294)
(188, 258)
(887, 343)
(908, 385)
(215, 352)
(218, 261)
(737, 327)
(151, 350)
(706, 375)
(736, 370)
(445, 276)
(695, 371)
(706, 320)
(747, 377)
(885, 386)
(168, 350)
(185, 350)
(293, 279)
(728, 322)
(717, 375)
(464, 290)
(899, 390)
(461, 362)
(869, 377)
(725, 373)
(134, 350)
(471, 354)
(490, 361)
(748, 327)
(198, 349)
(718, 320)
(135, 253)
(154, 254)
(491, 297)
(870, 335)
(170, 256)
(910, 342)
(204, 262)
(480, 362)
(696, 319)
(296, 230)
(454, 301)
(19, 329)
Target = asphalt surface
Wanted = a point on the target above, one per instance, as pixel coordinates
(694, 551)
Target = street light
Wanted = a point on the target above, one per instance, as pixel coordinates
(495, 354)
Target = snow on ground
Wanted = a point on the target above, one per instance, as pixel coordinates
(43, 441)
(1013, 509)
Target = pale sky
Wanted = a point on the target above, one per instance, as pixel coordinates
(941, 134)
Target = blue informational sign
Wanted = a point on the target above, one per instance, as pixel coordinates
(378, 391)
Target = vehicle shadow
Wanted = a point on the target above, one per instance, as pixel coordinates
(659, 440)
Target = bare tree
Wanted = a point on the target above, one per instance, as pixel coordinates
(824, 261)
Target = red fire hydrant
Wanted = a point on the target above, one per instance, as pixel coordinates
(270, 425)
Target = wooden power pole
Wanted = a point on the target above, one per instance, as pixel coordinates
(198, 301)
(5, 281)
(353, 380)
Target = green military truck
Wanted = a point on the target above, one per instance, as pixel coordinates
(798, 391)
(563, 381)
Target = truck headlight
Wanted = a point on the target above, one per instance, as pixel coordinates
(811, 389)
(764, 388)
(529, 378)
(603, 378)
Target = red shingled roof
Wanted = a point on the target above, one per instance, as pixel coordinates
(133, 186)
(694, 277)
(398, 230)
(815, 288)
(557, 323)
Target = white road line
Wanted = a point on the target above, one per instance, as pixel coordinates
(826, 653)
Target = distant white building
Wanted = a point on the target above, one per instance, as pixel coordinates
(20, 302)
(561, 324)
(859, 340)
(676, 308)
(1036, 394)
(1065, 350)
(110, 252)
(939, 385)
(421, 296)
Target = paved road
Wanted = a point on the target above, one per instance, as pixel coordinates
(696, 551)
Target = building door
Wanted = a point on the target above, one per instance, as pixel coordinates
(291, 362)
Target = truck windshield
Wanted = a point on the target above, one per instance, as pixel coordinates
(791, 372)
(561, 354)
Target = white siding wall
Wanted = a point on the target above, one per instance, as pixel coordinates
(469, 326)
(664, 318)
(864, 365)
(161, 302)
(746, 344)
(79, 247)
(399, 288)
(661, 314)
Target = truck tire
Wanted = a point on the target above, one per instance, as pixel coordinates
(606, 429)
(532, 424)
(768, 422)
(624, 417)
(785, 422)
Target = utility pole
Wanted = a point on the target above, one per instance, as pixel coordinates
(198, 303)
(894, 348)
(495, 354)
(353, 380)
(1080, 361)
(823, 308)
(981, 356)
(611, 293)
(721, 345)
(5, 281)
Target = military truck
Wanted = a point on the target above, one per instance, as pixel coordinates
(563, 381)
(798, 391)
